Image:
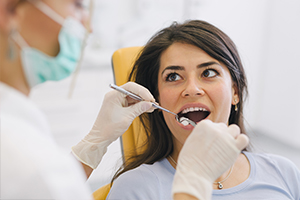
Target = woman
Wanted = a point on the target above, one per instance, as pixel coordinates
(194, 70)
(41, 40)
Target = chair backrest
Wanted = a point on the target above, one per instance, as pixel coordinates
(122, 63)
(133, 139)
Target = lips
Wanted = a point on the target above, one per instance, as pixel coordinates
(194, 113)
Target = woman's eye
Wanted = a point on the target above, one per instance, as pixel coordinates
(209, 73)
(172, 77)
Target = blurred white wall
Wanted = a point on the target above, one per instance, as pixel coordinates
(266, 33)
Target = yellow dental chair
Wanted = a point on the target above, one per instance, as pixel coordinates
(132, 140)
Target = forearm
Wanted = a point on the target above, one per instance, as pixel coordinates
(88, 170)
(183, 196)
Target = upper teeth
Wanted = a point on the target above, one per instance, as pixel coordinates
(192, 109)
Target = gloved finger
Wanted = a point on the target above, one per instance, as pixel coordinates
(221, 126)
(139, 90)
(131, 102)
(115, 97)
(205, 122)
(152, 108)
(242, 141)
(139, 108)
(234, 130)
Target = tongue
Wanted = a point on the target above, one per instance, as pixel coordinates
(196, 116)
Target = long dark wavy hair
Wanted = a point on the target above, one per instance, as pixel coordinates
(215, 43)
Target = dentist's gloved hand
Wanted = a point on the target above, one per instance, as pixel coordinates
(210, 150)
(116, 115)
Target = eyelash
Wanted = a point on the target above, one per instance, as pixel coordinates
(169, 75)
(202, 75)
(210, 69)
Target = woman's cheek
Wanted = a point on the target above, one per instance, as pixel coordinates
(167, 97)
(221, 99)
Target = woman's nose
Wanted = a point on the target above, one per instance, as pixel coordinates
(193, 88)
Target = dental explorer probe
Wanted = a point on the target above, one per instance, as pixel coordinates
(136, 97)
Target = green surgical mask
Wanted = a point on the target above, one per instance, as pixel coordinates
(39, 67)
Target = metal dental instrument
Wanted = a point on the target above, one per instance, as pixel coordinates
(134, 96)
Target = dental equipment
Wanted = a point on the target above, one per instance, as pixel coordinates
(183, 120)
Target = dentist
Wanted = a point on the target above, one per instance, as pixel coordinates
(41, 40)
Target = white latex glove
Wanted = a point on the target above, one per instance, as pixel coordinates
(210, 150)
(115, 117)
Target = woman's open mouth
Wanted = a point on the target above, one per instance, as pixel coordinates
(196, 114)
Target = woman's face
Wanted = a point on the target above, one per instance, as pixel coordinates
(39, 30)
(194, 85)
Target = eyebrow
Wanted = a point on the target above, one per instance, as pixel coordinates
(176, 67)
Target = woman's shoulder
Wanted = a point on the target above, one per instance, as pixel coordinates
(149, 171)
(276, 169)
(272, 160)
(144, 182)
(266, 164)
